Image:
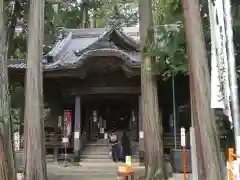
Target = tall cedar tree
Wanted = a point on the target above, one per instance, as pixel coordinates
(33, 123)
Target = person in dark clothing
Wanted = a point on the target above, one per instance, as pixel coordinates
(125, 143)
(115, 146)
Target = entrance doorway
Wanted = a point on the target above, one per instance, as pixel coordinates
(110, 112)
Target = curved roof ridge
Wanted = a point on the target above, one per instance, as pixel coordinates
(128, 59)
(59, 46)
(98, 33)
(52, 65)
(106, 33)
(83, 32)
(128, 38)
(123, 35)
(107, 52)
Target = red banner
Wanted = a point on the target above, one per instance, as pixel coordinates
(67, 123)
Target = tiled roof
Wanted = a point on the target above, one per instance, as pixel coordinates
(80, 44)
(131, 59)
(16, 64)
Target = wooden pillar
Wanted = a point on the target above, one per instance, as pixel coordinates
(77, 129)
(141, 135)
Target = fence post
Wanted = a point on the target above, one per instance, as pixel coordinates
(183, 144)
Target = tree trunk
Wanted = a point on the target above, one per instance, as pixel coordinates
(12, 25)
(199, 148)
(94, 18)
(3, 169)
(33, 123)
(85, 16)
(152, 122)
(5, 124)
(201, 91)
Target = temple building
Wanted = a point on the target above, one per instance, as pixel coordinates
(92, 76)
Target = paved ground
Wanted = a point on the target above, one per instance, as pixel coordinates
(89, 171)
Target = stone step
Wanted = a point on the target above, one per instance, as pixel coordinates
(103, 154)
(102, 146)
(89, 160)
(97, 144)
(109, 160)
(95, 153)
(98, 156)
(88, 147)
(101, 151)
(95, 156)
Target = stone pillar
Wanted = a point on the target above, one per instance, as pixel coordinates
(77, 129)
(141, 134)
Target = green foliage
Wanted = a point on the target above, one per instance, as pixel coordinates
(169, 50)
(16, 92)
(15, 117)
(169, 46)
(128, 10)
(236, 32)
(69, 15)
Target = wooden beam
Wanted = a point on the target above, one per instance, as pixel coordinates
(107, 90)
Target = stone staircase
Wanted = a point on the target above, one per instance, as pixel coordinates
(98, 152)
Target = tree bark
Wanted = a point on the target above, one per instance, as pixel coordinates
(152, 121)
(85, 15)
(12, 25)
(195, 125)
(94, 18)
(200, 78)
(5, 124)
(33, 123)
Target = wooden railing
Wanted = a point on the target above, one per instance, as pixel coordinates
(54, 142)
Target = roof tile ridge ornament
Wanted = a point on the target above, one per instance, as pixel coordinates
(115, 21)
(60, 33)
